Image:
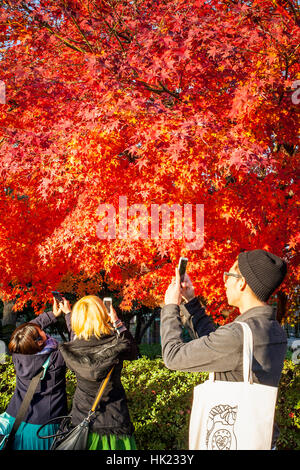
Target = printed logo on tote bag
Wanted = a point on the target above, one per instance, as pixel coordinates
(220, 428)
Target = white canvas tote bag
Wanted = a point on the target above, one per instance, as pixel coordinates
(233, 415)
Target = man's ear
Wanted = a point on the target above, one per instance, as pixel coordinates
(243, 284)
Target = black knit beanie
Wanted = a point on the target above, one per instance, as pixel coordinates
(263, 272)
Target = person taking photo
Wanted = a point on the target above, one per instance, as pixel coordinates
(99, 341)
(31, 347)
(249, 283)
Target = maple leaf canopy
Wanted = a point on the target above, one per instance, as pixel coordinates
(174, 102)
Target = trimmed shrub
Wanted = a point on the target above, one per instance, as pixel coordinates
(287, 414)
(160, 401)
(7, 382)
(152, 351)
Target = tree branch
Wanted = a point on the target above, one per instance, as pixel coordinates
(82, 33)
(47, 26)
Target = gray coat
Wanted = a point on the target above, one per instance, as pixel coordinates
(220, 349)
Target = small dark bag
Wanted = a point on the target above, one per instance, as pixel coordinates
(71, 437)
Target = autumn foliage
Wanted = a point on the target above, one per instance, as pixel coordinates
(182, 101)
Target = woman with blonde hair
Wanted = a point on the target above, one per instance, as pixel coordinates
(100, 340)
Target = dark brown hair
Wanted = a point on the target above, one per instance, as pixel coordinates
(24, 339)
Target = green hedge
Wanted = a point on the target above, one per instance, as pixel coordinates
(287, 413)
(160, 400)
(152, 351)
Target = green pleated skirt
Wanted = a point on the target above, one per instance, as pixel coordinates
(111, 442)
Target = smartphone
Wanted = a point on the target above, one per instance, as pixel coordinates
(57, 295)
(107, 302)
(182, 267)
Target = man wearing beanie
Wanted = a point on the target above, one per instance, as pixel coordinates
(249, 283)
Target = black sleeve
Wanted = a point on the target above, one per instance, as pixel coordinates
(201, 323)
(68, 323)
(130, 352)
(44, 319)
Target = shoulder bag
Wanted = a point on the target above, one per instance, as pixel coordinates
(74, 438)
(233, 415)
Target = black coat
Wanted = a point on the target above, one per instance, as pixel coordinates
(91, 361)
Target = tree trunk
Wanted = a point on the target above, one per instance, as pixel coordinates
(142, 330)
(9, 316)
(281, 306)
(138, 328)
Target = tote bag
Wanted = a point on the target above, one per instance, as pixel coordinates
(233, 415)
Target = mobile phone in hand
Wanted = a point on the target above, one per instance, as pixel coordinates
(107, 302)
(57, 296)
(182, 267)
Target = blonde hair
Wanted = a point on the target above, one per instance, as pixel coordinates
(90, 317)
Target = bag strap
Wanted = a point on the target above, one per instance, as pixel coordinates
(27, 399)
(247, 354)
(101, 390)
(91, 412)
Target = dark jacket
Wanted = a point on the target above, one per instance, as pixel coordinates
(49, 400)
(91, 361)
(220, 349)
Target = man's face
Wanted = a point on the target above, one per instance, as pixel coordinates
(232, 286)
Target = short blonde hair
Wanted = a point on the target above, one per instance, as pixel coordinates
(90, 317)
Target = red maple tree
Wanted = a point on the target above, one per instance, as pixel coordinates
(173, 102)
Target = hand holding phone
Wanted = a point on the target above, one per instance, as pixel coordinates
(108, 303)
(186, 284)
(173, 292)
(110, 310)
(57, 295)
(60, 304)
(182, 267)
(187, 289)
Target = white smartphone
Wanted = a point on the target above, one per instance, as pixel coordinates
(107, 302)
(182, 267)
